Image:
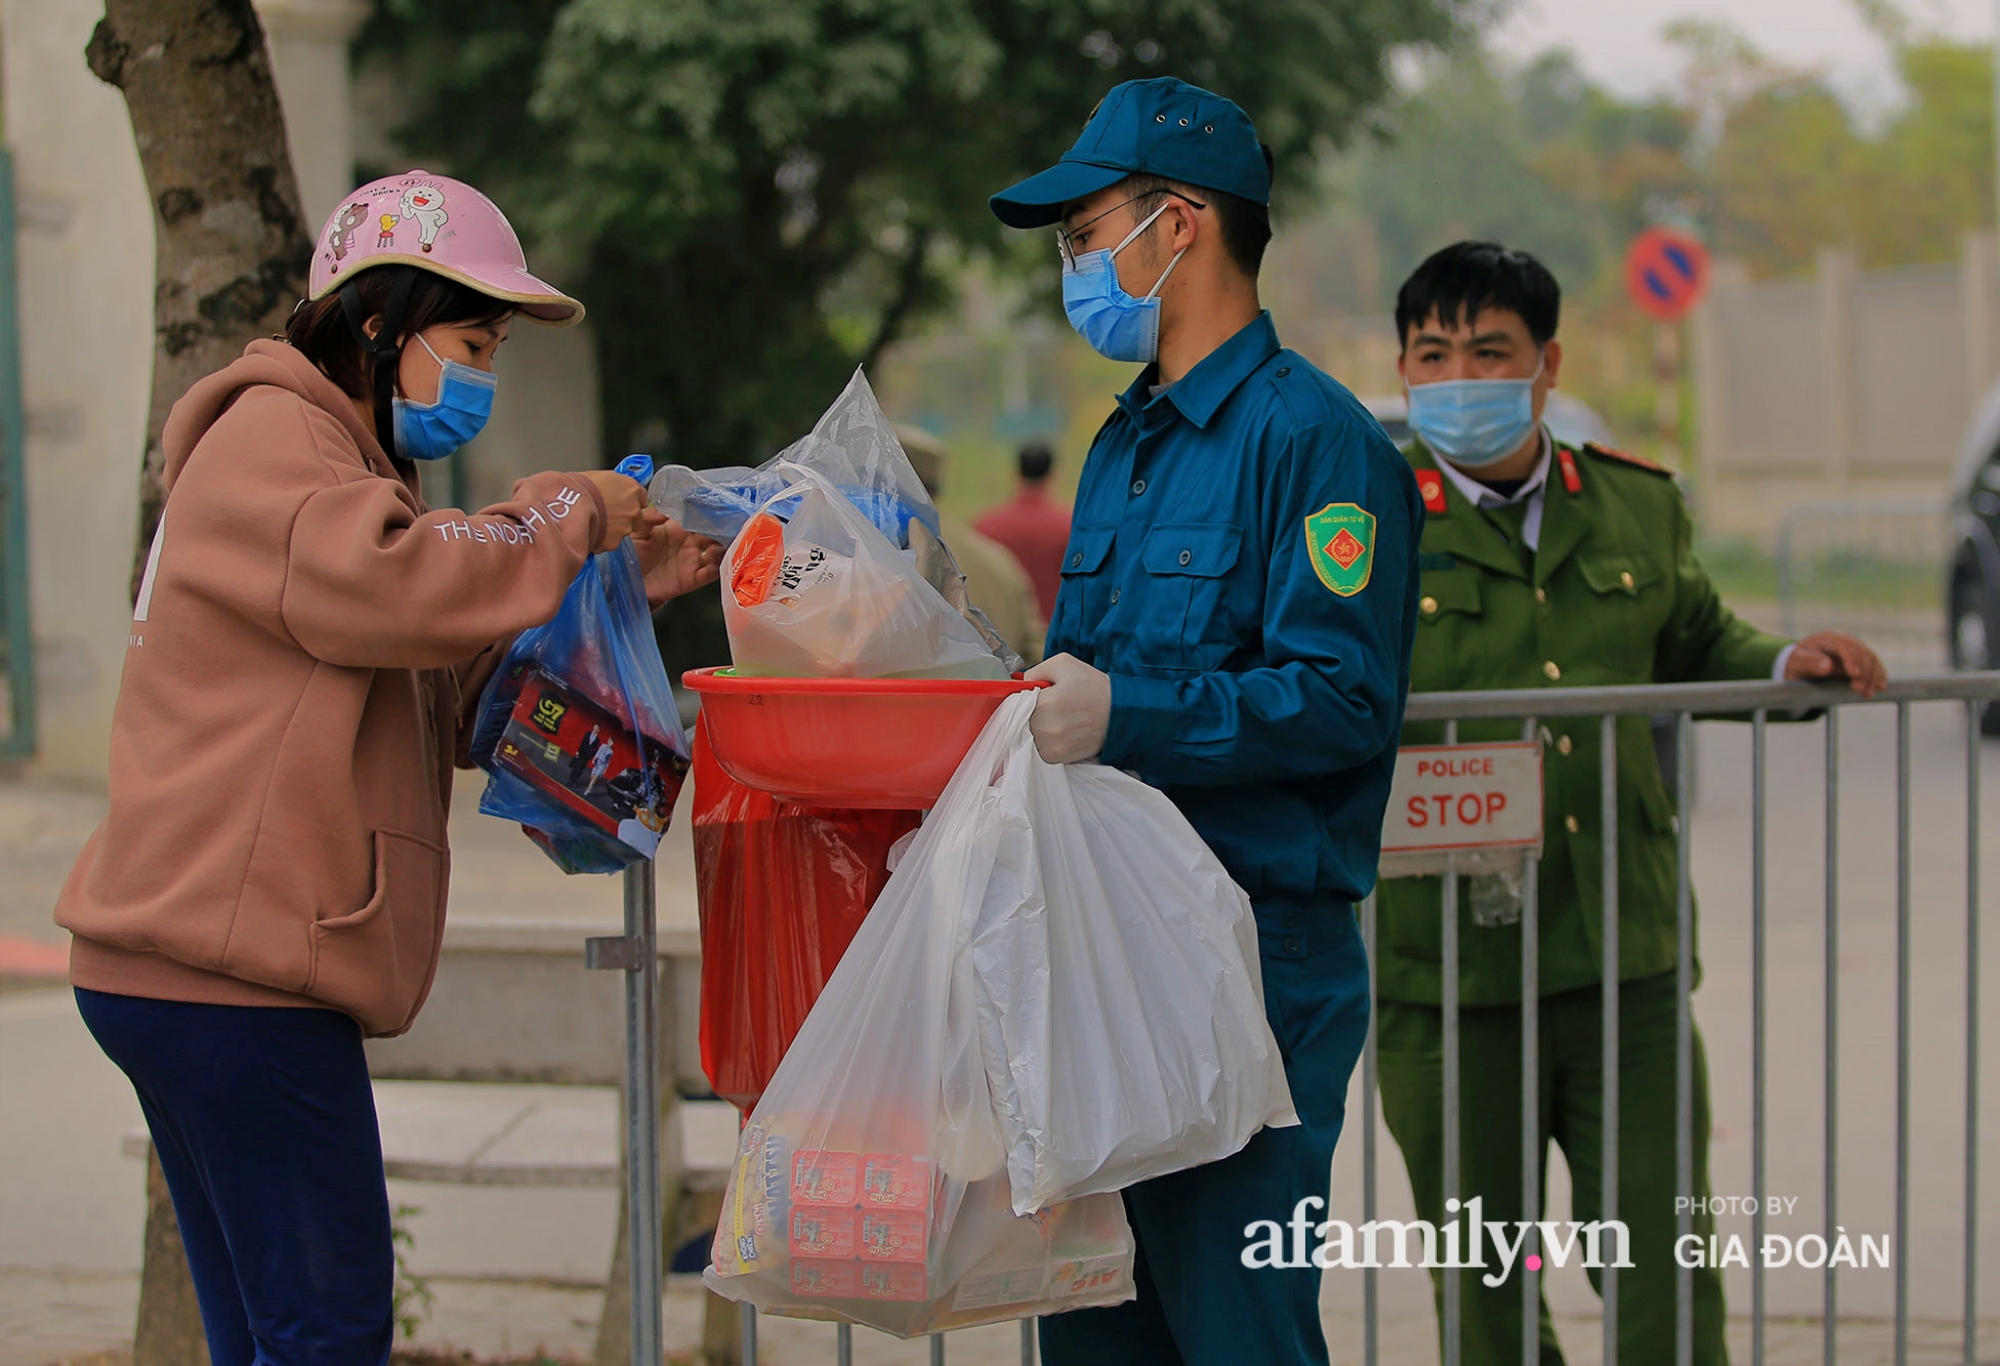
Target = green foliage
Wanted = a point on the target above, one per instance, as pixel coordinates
(753, 195)
(1791, 172)
(412, 1298)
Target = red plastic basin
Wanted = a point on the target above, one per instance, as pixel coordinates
(852, 742)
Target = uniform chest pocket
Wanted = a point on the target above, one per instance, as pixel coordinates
(1628, 591)
(1188, 616)
(1450, 653)
(1086, 587)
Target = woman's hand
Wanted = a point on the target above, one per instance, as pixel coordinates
(628, 511)
(676, 561)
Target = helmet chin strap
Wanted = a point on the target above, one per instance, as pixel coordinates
(384, 346)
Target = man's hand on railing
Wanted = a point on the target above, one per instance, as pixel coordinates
(1826, 656)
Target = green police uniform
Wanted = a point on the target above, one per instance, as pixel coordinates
(1610, 594)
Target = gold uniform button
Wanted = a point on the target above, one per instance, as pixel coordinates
(1428, 606)
(1569, 824)
(1625, 577)
(1550, 670)
(1541, 595)
(1563, 745)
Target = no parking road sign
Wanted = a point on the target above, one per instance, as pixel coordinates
(1666, 272)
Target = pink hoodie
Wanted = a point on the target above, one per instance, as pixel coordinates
(307, 638)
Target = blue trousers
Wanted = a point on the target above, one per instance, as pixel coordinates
(1197, 1304)
(265, 1126)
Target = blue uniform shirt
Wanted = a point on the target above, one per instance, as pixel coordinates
(1262, 691)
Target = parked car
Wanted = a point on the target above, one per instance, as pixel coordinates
(1571, 419)
(1972, 565)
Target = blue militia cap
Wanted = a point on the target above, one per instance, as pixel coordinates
(1163, 127)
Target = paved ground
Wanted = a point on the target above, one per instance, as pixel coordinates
(512, 1270)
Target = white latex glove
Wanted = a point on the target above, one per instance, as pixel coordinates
(1071, 715)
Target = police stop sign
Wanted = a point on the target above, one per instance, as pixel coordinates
(1483, 802)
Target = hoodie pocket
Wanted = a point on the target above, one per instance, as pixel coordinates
(376, 963)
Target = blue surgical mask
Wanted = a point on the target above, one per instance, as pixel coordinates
(1474, 422)
(431, 431)
(1118, 326)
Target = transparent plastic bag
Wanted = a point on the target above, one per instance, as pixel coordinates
(870, 1185)
(578, 729)
(853, 447)
(825, 594)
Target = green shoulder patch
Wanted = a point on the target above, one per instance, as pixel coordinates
(1638, 462)
(1340, 539)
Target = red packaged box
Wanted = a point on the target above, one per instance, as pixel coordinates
(823, 1233)
(834, 1280)
(895, 1235)
(566, 745)
(826, 1178)
(892, 1181)
(894, 1281)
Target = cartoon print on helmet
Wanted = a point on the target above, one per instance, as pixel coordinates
(387, 236)
(342, 236)
(425, 203)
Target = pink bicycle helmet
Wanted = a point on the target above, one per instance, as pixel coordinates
(440, 225)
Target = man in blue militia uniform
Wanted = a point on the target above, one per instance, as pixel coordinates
(1237, 609)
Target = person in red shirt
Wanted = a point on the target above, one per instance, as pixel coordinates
(1033, 525)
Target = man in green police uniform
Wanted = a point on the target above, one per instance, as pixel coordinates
(1545, 565)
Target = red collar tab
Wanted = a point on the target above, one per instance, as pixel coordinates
(1571, 479)
(1431, 485)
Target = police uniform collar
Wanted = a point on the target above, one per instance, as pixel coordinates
(1481, 495)
(1201, 391)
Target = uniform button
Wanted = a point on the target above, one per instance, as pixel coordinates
(1550, 671)
(1114, 595)
(1569, 824)
(1541, 595)
(1284, 370)
(1138, 487)
(1428, 606)
(1625, 577)
(1076, 559)
(1187, 557)
(1563, 745)
(1291, 946)
(1291, 920)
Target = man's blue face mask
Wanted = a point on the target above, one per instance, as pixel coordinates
(431, 431)
(1118, 326)
(1474, 422)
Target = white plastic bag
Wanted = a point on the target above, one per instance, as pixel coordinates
(823, 593)
(1056, 995)
(869, 1184)
(1120, 1003)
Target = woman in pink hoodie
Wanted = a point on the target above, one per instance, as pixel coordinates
(268, 886)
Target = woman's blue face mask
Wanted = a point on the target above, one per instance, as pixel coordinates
(431, 431)
(1118, 326)
(1474, 422)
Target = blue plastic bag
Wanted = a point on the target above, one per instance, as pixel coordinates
(578, 729)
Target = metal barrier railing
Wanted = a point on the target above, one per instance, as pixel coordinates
(1686, 703)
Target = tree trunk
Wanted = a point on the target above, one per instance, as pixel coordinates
(230, 257)
(169, 1331)
(230, 247)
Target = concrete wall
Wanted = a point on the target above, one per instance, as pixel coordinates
(1851, 384)
(86, 257)
(86, 263)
